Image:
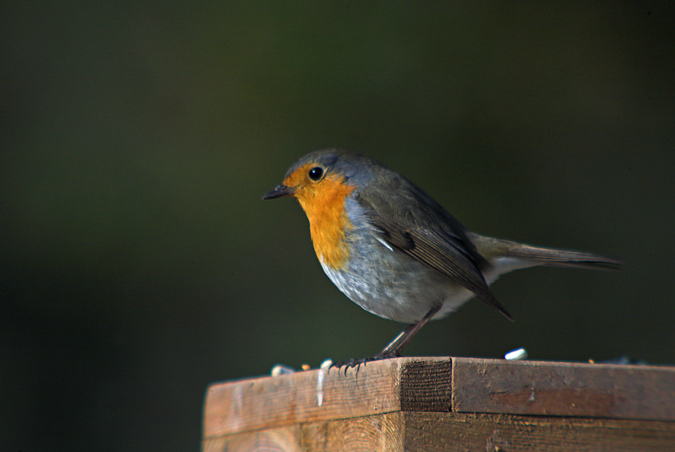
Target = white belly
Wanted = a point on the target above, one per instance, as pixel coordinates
(399, 288)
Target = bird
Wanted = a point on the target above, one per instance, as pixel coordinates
(395, 251)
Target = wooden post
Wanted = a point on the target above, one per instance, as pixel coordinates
(447, 404)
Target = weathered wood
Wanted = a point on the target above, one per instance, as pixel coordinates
(563, 389)
(378, 387)
(488, 432)
(376, 433)
(426, 385)
(433, 404)
(430, 432)
(286, 439)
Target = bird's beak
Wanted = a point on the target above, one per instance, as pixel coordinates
(279, 192)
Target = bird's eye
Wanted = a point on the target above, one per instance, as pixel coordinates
(316, 173)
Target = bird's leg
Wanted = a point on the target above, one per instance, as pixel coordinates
(395, 347)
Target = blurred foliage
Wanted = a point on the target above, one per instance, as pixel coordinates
(139, 264)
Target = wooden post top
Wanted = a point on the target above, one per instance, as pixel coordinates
(458, 385)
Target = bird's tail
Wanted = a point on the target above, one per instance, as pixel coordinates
(491, 248)
(554, 257)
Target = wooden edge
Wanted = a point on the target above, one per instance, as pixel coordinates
(563, 389)
(467, 385)
(319, 395)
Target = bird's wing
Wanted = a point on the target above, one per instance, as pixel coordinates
(436, 240)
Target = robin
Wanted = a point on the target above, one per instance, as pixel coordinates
(396, 252)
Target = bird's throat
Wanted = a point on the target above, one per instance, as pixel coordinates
(328, 221)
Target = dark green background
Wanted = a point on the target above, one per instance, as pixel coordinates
(138, 263)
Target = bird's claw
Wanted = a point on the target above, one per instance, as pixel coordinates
(356, 362)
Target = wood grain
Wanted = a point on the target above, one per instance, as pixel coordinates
(488, 432)
(563, 389)
(434, 404)
(283, 439)
(322, 395)
(377, 433)
(430, 432)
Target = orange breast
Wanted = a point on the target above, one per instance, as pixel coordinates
(324, 205)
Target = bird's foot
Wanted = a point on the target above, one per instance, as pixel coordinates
(356, 363)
